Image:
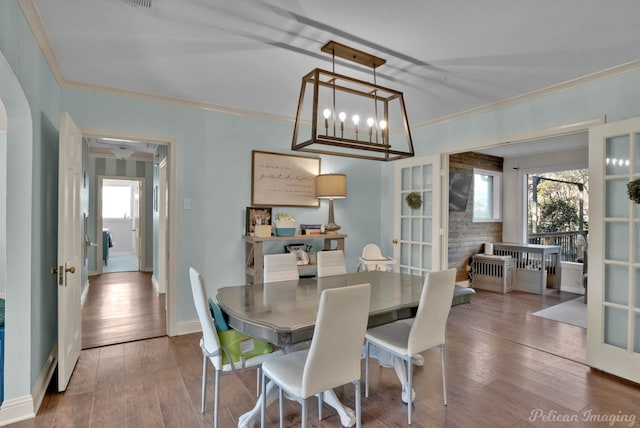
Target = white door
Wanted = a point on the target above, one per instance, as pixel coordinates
(69, 249)
(613, 335)
(135, 214)
(163, 233)
(416, 231)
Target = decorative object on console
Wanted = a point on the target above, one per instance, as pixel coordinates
(311, 229)
(331, 186)
(258, 221)
(301, 251)
(382, 109)
(285, 224)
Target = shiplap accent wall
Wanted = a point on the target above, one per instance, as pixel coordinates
(465, 236)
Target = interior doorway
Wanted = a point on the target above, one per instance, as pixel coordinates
(123, 223)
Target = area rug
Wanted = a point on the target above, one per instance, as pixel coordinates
(572, 312)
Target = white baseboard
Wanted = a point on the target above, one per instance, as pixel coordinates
(22, 408)
(40, 388)
(16, 410)
(146, 269)
(155, 283)
(188, 327)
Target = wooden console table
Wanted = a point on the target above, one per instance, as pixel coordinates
(254, 251)
(536, 266)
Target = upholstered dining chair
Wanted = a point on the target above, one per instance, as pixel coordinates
(210, 344)
(280, 267)
(331, 263)
(332, 360)
(427, 330)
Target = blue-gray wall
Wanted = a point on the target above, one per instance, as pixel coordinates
(213, 171)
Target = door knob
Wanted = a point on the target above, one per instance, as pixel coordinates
(71, 269)
(395, 241)
(53, 271)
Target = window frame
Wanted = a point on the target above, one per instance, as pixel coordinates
(496, 201)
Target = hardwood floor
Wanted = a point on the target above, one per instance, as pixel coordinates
(505, 368)
(122, 307)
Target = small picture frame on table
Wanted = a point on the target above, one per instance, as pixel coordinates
(257, 216)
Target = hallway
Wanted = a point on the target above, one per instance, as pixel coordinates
(122, 307)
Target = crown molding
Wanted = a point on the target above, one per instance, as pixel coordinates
(35, 23)
(529, 96)
(32, 16)
(99, 152)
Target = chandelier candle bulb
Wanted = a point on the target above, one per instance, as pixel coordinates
(356, 120)
(327, 114)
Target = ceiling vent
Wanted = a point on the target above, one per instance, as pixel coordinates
(141, 3)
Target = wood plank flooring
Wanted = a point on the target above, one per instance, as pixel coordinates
(122, 307)
(503, 366)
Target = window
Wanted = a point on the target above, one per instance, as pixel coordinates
(116, 200)
(487, 194)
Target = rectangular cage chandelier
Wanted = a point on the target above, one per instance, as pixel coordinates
(343, 116)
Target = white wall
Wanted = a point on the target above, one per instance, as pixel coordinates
(121, 235)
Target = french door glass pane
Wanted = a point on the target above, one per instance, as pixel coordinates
(416, 178)
(428, 177)
(415, 229)
(426, 257)
(427, 203)
(617, 203)
(415, 255)
(637, 145)
(616, 284)
(405, 210)
(616, 241)
(426, 230)
(636, 293)
(405, 229)
(404, 254)
(617, 155)
(636, 333)
(615, 327)
(406, 180)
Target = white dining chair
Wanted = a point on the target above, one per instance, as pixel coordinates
(372, 259)
(331, 263)
(332, 360)
(280, 267)
(427, 330)
(210, 344)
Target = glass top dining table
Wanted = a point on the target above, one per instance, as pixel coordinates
(284, 312)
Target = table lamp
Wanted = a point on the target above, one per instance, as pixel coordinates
(331, 186)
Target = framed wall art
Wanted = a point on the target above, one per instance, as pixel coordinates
(283, 180)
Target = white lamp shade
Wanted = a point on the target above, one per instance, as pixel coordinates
(331, 186)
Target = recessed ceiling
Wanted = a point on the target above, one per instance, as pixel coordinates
(446, 56)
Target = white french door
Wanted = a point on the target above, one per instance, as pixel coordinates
(613, 335)
(416, 230)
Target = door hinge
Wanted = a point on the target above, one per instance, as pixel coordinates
(441, 172)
